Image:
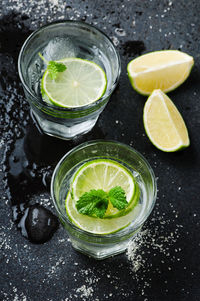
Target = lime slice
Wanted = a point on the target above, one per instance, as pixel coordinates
(164, 124)
(105, 174)
(99, 225)
(82, 83)
(165, 70)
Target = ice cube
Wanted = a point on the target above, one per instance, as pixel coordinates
(59, 48)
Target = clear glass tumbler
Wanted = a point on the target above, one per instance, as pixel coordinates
(57, 41)
(101, 246)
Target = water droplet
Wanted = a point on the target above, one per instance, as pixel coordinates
(38, 224)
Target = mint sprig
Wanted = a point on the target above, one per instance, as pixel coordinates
(95, 202)
(53, 67)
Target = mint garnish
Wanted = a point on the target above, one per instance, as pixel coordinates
(95, 202)
(53, 67)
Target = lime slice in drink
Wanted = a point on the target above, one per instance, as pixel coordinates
(164, 124)
(165, 70)
(104, 174)
(82, 83)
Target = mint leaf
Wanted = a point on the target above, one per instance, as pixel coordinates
(117, 197)
(54, 68)
(93, 203)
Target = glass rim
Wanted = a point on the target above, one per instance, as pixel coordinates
(62, 109)
(125, 231)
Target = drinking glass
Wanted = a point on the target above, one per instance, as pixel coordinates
(57, 41)
(101, 246)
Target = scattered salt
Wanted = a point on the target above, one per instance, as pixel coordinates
(85, 292)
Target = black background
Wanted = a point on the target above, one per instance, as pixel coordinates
(167, 254)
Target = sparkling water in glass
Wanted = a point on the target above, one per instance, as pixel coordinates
(63, 40)
(101, 246)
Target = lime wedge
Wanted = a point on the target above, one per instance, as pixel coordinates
(165, 70)
(104, 174)
(82, 83)
(164, 124)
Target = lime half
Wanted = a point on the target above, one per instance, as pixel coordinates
(82, 83)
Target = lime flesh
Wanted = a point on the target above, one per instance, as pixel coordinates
(165, 70)
(82, 83)
(164, 124)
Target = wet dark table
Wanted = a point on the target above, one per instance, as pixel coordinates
(163, 264)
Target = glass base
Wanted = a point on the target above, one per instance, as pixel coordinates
(66, 132)
(100, 252)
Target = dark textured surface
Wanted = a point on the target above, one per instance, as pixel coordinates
(165, 262)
